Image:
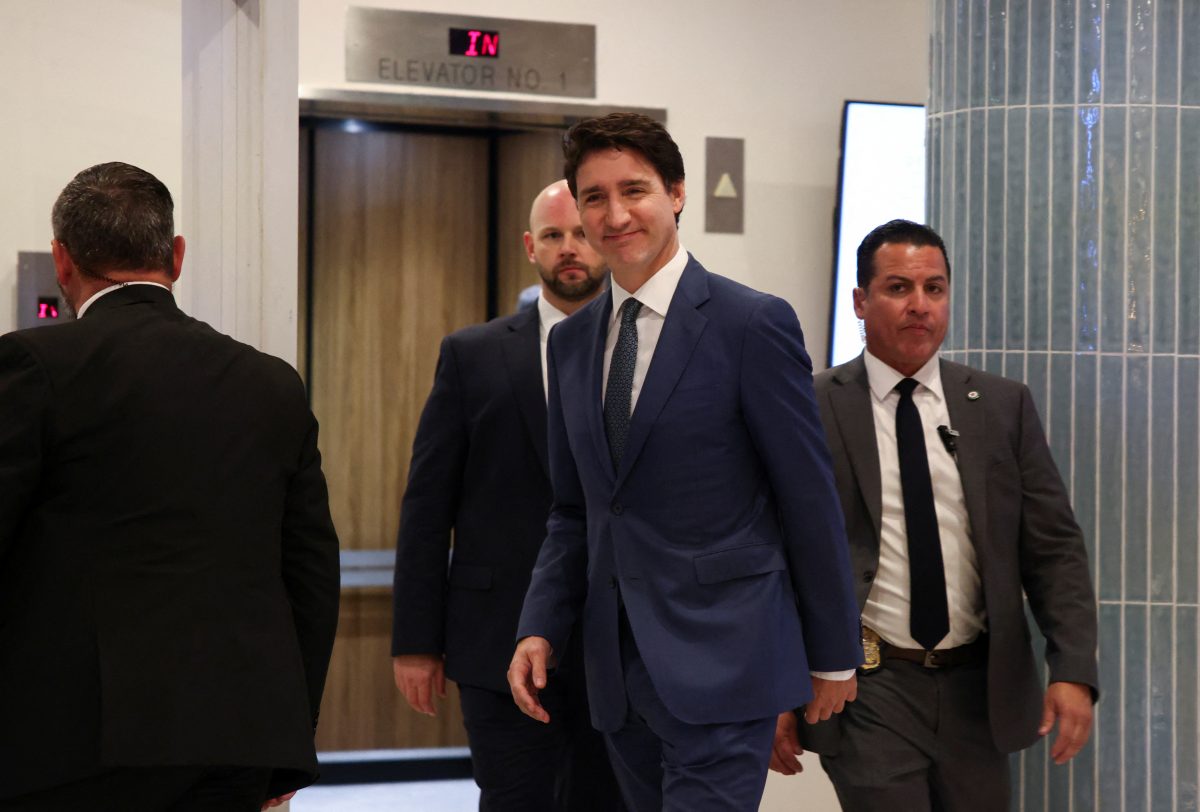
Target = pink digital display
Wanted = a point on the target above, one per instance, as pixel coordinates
(471, 42)
(47, 308)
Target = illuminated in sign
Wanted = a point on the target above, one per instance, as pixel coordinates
(47, 308)
(470, 42)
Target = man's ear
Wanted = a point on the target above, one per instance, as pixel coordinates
(64, 266)
(177, 248)
(860, 298)
(678, 196)
(529, 247)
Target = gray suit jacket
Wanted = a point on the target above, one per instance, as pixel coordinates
(1022, 527)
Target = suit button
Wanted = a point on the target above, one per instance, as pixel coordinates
(616, 508)
(868, 577)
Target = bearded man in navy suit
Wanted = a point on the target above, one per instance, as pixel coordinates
(479, 469)
(695, 526)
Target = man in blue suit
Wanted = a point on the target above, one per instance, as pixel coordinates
(695, 525)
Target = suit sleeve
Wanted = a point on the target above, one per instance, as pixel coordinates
(1053, 559)
(782, 418)
(558, 586)
(25, 398)
(310, 565)
(427, 514)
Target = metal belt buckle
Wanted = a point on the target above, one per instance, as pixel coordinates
(931, 660)
(871, 656)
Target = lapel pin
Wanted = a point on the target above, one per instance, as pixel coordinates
(973, 395)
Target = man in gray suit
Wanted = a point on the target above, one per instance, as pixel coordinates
(953, 508)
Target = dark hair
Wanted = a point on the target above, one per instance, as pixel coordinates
(116, 217)
(623, 131)
(898, 232)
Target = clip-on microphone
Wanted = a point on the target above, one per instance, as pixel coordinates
(949, 439)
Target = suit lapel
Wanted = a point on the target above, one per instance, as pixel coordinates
(680, 332)
(523, 357)
(850, 403)
(967, 418)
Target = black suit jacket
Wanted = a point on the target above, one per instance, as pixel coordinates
(1022, 527)
(479, 469)
(168, 567)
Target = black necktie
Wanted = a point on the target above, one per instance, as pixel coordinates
(619, 391)
(929, 620)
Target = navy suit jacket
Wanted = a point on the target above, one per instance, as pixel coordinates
(721, 529)
(478, 470)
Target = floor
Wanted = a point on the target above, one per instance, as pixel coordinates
(810, 791)
(419, 796)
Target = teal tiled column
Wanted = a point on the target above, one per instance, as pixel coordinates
(1064, 173)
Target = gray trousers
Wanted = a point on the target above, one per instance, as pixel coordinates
(917, 740)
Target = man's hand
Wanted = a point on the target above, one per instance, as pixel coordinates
(280, 801)
(527, 675)
(1071, 704)
(829, 697)
(785, 756)
(419, 677)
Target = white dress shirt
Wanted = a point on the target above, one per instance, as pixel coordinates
(548, 316)
(888, 604)
(655, 296)
(84, 307)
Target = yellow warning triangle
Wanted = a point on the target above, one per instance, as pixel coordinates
(725, 187)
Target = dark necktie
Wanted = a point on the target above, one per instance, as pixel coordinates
(929, 620)
(619, 391)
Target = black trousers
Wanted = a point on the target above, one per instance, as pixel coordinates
(918, 739)
(522, 765)
(153, 789)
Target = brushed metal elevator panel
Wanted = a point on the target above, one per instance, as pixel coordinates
(38, 299)
(487, 54)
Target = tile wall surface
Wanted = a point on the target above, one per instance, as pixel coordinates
(1064, 174)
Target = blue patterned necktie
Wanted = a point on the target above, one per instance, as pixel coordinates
(618, 394)
(929, 619)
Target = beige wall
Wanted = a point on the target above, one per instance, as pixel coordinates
(83, 82)
(774, 72)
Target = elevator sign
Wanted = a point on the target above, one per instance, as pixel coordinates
(470, 53)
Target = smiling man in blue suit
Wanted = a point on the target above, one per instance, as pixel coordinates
(695, 525)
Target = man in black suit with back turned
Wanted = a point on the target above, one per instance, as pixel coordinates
(479, 468)
(954, 510)
(168, 566)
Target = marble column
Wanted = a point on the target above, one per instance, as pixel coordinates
(1064, 174)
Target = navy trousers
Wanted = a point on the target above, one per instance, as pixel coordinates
(522, 765)
(664, 763)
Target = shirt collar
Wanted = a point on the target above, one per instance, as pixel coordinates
(883, 379)
(657, 292)
(548, 314)
(83, 308)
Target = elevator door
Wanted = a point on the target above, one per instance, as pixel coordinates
(411, 234)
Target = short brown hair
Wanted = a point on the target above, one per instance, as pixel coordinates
(623, 131)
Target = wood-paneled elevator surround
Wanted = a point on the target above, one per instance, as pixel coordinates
(401, 228)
